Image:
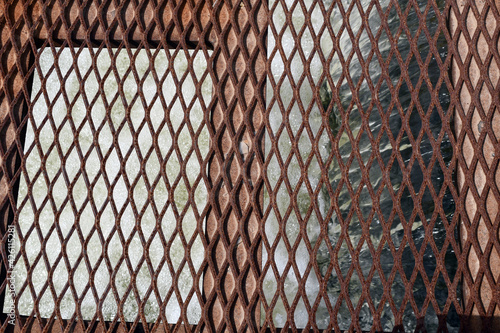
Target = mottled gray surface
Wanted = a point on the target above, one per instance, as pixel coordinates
(119, 211)
(344, 101)
(276, 118)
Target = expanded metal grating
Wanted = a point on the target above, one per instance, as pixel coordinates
(250, 165)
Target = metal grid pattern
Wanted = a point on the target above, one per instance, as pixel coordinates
(386, 232)
(475, 74)
(142, 172)
(352, 172)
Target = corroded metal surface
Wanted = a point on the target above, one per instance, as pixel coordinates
(474, 26)
(28, 29)
(332, 194)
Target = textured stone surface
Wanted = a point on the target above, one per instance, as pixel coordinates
(63, 119)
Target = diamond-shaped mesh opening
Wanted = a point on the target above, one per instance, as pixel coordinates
(351, 181)
(105, 190)
(382, 108)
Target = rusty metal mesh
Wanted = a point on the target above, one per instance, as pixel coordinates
(350, 168)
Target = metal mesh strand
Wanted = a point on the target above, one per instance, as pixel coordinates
(350, 171)
(138, 34)
(367, 131)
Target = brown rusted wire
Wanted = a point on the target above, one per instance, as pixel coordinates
(245, 146)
